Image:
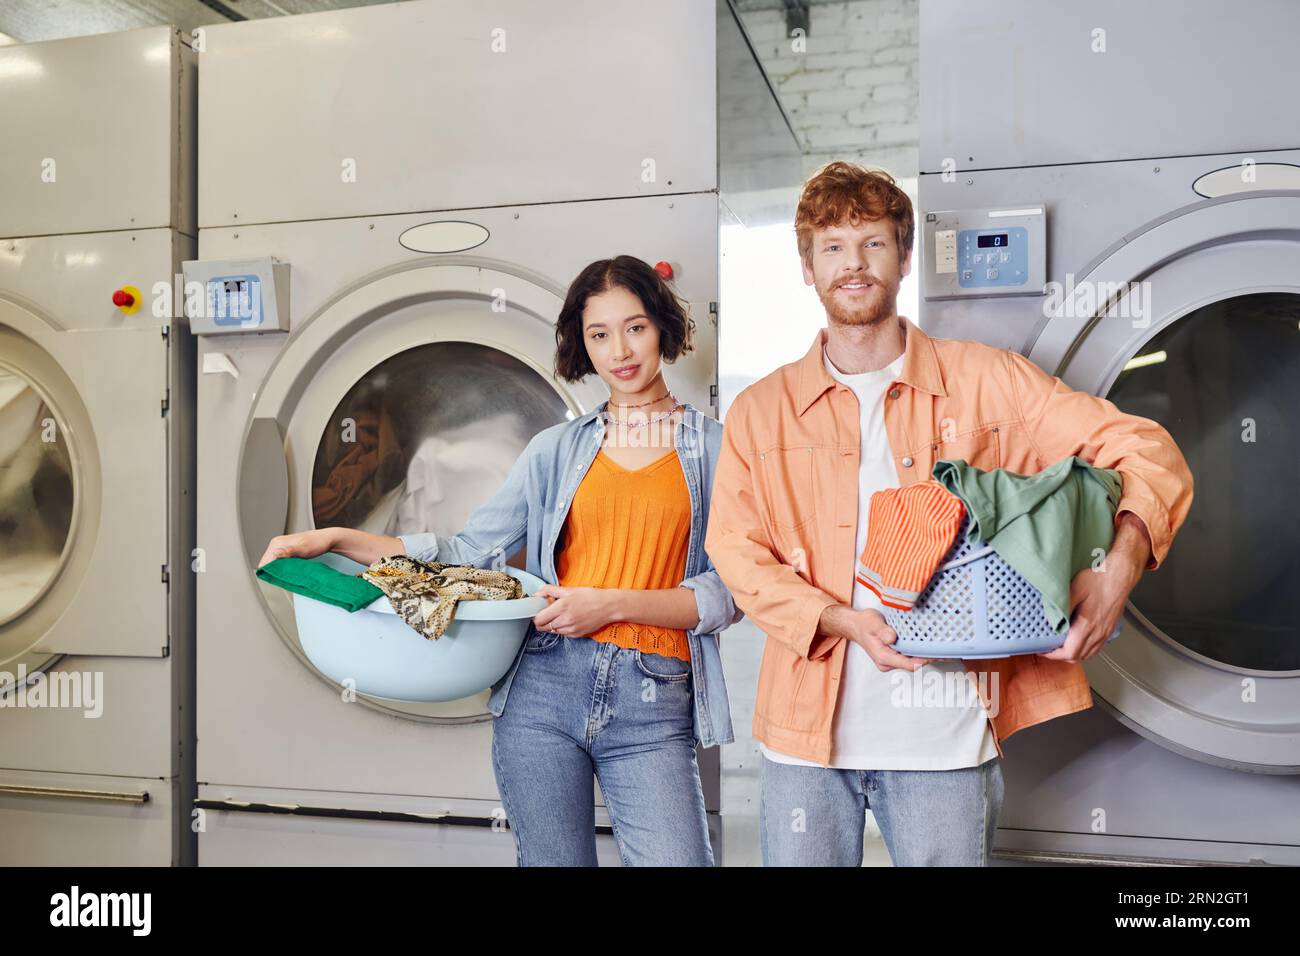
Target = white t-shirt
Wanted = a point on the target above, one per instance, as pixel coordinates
(930, 719)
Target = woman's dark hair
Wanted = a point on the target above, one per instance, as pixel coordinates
(662, 305)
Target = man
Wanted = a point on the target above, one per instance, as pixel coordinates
(874, 404)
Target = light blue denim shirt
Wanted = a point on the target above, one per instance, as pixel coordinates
(530, 509)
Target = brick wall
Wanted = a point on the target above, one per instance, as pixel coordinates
(852, 92)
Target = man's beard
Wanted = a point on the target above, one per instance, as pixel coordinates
(879, 305)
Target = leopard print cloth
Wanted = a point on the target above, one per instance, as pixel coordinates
(425, 595)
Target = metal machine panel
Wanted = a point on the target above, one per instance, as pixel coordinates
(118, 821)
(349, 147)
(246, 826)
(1124, 196)
(1026, 83)
(328, 256)
(1087, 784)
(113, 719)
(83, 155)
(110, 375)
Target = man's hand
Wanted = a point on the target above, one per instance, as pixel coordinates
(574, 611)
(1097, 595)
(869, 629)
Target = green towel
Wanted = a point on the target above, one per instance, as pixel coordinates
(315, 579)
(1045, 526)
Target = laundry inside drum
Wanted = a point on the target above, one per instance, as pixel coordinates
(427, 436)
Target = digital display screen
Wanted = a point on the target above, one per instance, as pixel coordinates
(992, 241)
(232, 299)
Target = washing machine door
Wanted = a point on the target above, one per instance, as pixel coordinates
(401, 407)
(1199, 330)
(80, 425)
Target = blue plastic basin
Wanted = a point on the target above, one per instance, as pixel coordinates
(383, 656)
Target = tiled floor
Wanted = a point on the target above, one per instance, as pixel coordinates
(742, 649)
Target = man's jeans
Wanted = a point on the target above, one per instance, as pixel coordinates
(579, 707)
(816, 816)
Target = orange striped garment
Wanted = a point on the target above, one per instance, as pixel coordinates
(910, 531)
(629, 528)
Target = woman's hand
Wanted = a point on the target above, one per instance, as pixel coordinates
(303, 544)
(573, 611)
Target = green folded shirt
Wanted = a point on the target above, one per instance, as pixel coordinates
(1047, 526)
(315, 579)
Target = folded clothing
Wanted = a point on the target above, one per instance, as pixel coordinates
(317, 580)
(909, 531)
(425, 595)
(1048, 526)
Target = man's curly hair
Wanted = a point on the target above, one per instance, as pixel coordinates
(842, 192)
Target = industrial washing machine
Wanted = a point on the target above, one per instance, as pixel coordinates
(1114, 191)
(394, 227)
(96, 451)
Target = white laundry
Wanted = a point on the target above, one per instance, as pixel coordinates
(447, 476)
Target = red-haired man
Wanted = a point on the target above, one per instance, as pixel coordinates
(873, 404)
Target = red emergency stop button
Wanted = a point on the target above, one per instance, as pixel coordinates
(665, 269)
(127, 299)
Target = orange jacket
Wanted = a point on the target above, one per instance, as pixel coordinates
(784, 511)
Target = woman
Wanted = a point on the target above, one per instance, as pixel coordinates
(620, 675)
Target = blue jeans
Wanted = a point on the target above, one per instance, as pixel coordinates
(579, 707)
(816, 816)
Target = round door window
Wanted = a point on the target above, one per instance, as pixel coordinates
(36, 493)
(1225, 382)
(427, 436)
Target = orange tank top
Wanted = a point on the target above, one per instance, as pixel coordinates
(629, 529)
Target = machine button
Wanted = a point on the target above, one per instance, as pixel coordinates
(1006, 257)
(965, 275)
(992, 273)
(978, 258)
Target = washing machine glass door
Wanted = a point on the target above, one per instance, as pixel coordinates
(36, 493)
(1198, 328)
(37, 496)
(1225, 382)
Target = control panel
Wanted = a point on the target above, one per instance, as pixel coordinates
(237, 295)
(984, 252)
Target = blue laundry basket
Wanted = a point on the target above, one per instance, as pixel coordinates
(975, 606)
